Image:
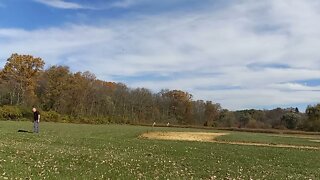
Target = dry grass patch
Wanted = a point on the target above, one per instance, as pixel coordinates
(211, 137)
(183, 136)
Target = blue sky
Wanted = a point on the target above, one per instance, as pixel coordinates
(242, 54)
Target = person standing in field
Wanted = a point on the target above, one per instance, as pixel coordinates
(36, 120)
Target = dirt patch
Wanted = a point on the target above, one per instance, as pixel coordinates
(211, 137)
(183, 136)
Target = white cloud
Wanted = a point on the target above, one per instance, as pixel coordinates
(211, 51)
(295, 87)
(62, 4)
(125, 3)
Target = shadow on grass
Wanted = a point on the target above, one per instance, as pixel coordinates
(24, 131)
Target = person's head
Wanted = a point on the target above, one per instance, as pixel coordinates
(34, 109)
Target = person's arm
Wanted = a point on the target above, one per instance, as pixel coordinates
(39, 118)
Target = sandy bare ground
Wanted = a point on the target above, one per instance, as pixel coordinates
(211, 137)
(183, 136)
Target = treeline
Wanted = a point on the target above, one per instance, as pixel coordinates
(65, 96)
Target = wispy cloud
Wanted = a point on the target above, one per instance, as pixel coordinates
(245, 55)
(125, 3)
(62, 4)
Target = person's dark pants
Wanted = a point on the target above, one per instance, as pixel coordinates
(36, 127)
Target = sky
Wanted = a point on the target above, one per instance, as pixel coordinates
(240, 53)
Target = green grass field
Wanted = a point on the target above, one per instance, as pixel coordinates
(73, 151)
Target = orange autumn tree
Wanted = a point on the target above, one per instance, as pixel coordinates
(19, 76)
(181, 106)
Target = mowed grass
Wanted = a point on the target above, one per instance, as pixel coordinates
(73, 151)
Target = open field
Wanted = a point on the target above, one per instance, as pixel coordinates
(74, 151)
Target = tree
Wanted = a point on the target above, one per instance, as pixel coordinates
(55, 82)
(273, 117)
(141, 105)
(290, 120)
(199, 112)
(163, 103)
(20, 75)
(121, 100)
(243, 117)
(211, 113)
(313, 121)
(180, 106)
(227, 119)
